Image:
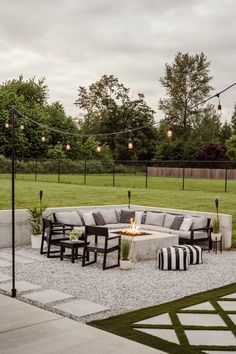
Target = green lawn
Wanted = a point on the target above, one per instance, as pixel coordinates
(162, 192)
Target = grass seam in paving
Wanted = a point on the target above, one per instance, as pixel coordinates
(124, 324)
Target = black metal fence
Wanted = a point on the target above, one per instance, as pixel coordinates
(141, 174)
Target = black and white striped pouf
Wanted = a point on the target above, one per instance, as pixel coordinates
(194, 252)
(173, 258)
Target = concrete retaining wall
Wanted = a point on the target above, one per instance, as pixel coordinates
(23, 229)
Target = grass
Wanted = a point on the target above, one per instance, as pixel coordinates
(161, 192)
(124, 324)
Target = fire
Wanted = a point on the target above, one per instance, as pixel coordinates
(133, 228)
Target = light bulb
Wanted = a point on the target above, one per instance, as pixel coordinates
(7, 125)
(169, 132)
(68, 147)
(219, 110)
(22, 127)
(98, 149)
(130, 144)
(43, 138)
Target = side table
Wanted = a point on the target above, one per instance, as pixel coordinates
(74, 246)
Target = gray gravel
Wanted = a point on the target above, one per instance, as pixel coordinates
(123, 291)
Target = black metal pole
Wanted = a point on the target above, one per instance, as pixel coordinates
(114, 175)
(183, 178)
(85, 171)
(129, 197)
(146, 179)
(13, 290)
(226, 179)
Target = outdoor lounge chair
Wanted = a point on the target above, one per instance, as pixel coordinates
(102, 243)
(53, 233)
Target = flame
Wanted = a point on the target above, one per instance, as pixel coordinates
(132, 229)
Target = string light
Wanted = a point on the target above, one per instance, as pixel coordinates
(68, 147)
(130, 144)
(219, 108)
(98, 149)
(22, 127)
(169, 132)
(43, 138)
(7, 125)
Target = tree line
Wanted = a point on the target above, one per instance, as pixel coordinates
(108, 108)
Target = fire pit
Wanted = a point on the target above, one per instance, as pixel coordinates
(133, 229)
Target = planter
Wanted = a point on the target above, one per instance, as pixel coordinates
(36, 241)
(125, 264)
(216, 237)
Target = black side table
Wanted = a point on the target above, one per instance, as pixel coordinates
(74, 246)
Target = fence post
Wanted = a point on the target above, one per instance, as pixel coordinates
(59, 172)
(114, 174)
(146, 178)
(85, 172)
(36, 170)
(183, 178)
(226, 179)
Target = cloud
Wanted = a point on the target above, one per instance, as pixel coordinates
(75, 42)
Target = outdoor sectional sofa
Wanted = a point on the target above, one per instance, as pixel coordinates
(190, 229)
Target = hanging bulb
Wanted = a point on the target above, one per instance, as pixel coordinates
(169, 132)
(219, 108)
(68, 147)
(43, 138)
(7, 125)
(130, 144)
(22, 127)
(98, 149)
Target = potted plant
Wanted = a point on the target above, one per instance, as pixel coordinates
(216, 234)
(36, 222)
(125, 246)
(74, 235)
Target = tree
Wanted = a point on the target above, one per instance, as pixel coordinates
(211, 152)
(225, 132)
(231, 148)
(108, 109)
(187, 82)
(233, 120)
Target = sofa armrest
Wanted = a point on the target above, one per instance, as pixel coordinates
(208, 229)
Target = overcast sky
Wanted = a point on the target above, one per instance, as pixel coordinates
(75, 42)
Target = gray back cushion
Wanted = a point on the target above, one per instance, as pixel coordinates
(109, 216)
(126, 215)
(155, 218)
(69, 217)
(199, 222)
(89, 219)
(169, 220)
(99, 219)
(177, 222)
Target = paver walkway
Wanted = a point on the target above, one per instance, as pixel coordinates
(26, 329)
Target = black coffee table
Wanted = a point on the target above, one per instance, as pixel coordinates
(74, 246)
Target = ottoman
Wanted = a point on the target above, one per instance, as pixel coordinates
(173, 258)
(194, 253)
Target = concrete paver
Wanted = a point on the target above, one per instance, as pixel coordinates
(18, 259)
(46, 296)
(20, 286)
(81, 307)
(207, 306)
(228, 305)
(163, 319)
(4, 263)
(198, 337)
(166, 334)
(197, 319)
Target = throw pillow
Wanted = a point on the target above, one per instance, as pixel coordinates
(126, 215)
(177, 222)
(138, 217)
(69, 217)
(99, 219)
(88, 219)
(109, 216)
(156, 219)
(118, 211)
(186, 224)
(169, 220)
(199, 222)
